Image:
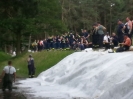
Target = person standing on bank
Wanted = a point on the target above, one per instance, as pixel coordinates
(100, 30)
(95, 36)
(106, 41)
(128, 28)
(31, 67)
(8, 76)
(120, 31)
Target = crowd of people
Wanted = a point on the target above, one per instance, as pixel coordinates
(98, 37)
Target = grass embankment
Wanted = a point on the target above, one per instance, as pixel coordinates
(3, 57)
(43, 61)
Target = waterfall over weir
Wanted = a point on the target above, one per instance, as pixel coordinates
(85, 75)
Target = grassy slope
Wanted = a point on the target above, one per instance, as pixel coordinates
(4, 56)
(43, 61)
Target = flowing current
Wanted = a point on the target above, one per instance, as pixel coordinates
(85, 75)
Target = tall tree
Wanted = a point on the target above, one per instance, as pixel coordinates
(17, 16)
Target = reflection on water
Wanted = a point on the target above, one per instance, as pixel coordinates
(11, 95)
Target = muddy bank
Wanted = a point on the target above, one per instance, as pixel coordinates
(15, 94)
(11, 95)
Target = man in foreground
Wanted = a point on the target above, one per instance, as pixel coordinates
(125, 45)
(8, 76)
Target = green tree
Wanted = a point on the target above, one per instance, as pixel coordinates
(22, 18)
(16, 17)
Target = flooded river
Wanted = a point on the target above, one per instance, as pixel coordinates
(15, 94)
(11, 95)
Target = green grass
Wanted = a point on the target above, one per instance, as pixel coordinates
(4, 56)
(43, 61)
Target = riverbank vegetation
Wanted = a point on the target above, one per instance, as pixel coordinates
(43, 61)
(22, 20)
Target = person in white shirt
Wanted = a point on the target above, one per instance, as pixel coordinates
(106, 41)
(8, 76)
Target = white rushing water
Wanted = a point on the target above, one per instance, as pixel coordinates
(86, 75)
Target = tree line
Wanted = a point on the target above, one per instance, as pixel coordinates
(21, 18)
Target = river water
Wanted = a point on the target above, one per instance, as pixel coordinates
(11, 95)
(15, 94)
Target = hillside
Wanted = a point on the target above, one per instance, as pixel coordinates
(43, 61)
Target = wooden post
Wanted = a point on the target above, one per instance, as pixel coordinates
(29, 42)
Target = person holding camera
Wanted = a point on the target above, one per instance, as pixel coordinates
(95, 36)
(100, 30)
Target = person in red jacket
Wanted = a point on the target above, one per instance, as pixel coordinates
(125, 45)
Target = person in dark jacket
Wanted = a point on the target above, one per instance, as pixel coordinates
(95, 36)
(31, 67)
(114, 39)
(120, 31)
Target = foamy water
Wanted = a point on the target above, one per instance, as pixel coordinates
(85, 75)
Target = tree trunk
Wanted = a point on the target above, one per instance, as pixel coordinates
(75, 29)
(18, 43)
(5, 48)
(105, 18)
(62, 15)
(29, 42)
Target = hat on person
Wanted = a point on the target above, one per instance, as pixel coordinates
(95, 24)
(107, 33)
(30, 55)
(119, 20)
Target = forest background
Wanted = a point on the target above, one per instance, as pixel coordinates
(21, 20)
